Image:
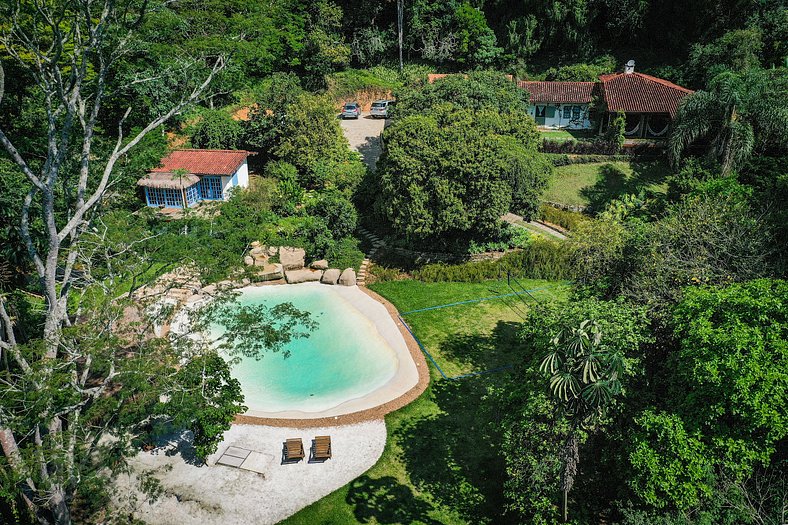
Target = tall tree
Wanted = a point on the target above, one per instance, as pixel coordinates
(70, 49)
(737, 114)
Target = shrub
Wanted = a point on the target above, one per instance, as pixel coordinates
(563, 159)
(450, 175)
(540, 259)
(614, 135)
(564, 218)
(342, 175)
(338, 213)
(345, 253)
(289, 192)
(217, 130)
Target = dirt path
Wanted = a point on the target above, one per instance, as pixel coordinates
(364, 137)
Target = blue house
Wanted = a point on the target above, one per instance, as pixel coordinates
(189, 176)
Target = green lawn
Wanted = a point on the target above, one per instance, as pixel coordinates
(598, 183)
(441, 464)
(561, 135)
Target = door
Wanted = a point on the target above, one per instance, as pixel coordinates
(539, 115)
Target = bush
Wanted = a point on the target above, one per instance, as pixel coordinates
(614, 135)
(563, 159)
(540, 259)
(582, 72)
(564, 218)
(217, 130)
(345, 253)
(342, 175)
(338, 213)
(289, 192)
(449, 176)
(582, 147)
(476, 91)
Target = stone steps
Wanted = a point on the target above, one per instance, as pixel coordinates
(377, 243)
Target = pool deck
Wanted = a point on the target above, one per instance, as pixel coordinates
(408, 383)
(216, 494)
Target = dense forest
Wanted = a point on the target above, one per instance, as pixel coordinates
(655, 392)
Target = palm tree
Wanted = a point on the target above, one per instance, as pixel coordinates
(584, 379)
(731, 114)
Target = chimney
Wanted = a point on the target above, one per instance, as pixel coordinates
(629, 67)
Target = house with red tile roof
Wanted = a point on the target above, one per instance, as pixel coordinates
(649, 103)
(187, 177)
(560, 104)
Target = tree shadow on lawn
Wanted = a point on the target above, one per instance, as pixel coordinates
(455, 455)
(488, 352)
(612, 182)
(387, 501)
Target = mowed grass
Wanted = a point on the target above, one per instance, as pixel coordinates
(596, 184)
(562, 135)
(441, 463)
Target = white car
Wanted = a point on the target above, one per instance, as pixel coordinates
(380, 108)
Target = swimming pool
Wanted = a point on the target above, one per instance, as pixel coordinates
(355, 359)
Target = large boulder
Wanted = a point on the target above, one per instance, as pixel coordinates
(330, 276)
(249, 260)
(304, 275)
(322, 264)
(269, 272)
(348, 277)
(291, 258)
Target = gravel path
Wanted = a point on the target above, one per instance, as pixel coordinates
(217, 494)
(517, 220)
(364, 136)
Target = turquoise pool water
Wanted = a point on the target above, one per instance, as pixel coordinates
(344, 358)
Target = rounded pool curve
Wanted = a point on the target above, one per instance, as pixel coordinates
(354, 360)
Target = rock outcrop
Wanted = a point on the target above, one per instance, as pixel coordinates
(330, 276)
(304, 275)
(291, 258)
(348, 277)
(322, 264)
(269, 272)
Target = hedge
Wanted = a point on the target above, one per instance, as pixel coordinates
(540, 259)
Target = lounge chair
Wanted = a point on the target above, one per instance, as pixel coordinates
(321, 450)
(294, 450)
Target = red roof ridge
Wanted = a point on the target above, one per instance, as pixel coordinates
(216, 150)
(657, 80)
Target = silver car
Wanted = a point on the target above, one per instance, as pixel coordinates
(380, 108)
(351, 110)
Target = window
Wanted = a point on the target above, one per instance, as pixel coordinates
(192, 195)
(576, 112)
(211, 188)
(167, 197)
(567, 112)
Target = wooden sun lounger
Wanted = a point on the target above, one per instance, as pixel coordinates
(322, 448)
(294, 449)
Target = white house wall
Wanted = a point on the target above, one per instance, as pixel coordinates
(558, 121)
(239, 178)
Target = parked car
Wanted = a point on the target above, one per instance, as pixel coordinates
(380, 108)
(351, 110)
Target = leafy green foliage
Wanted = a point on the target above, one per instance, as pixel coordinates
(310, 133)
(614, 134)
(728, 394)
(476, 41)
(476, 90)
(737, 114)
(338, 213)
(452, 174)
(217, 130)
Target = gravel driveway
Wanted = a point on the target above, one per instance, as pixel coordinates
(364, 136)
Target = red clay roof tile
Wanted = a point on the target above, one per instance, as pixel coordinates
(543, 92)
(203, 161)
(639, 93)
